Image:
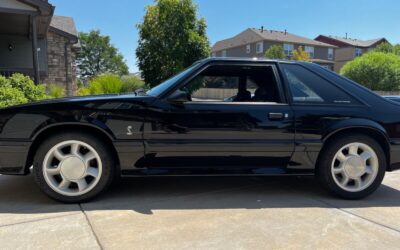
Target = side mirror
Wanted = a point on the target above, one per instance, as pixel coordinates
(179, 97)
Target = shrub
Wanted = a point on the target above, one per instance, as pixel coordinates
(105, 84)
(19, 89)
(25, 84)
(111, 84)
(83, 91)
(375, 70)
(11, 96)
(131, 83)
(55, 90)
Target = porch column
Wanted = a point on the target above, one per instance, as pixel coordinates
(34, 50)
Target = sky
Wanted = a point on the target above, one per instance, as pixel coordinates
(361, 19)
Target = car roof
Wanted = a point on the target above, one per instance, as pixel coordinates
(246, 60)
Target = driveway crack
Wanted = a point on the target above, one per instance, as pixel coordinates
(40, 219)
(91, 227)
(358, 216)
(288, 187)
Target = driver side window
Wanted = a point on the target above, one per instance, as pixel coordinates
(213, 88)
(234, 83)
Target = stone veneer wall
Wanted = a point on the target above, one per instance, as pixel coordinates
(56, 62)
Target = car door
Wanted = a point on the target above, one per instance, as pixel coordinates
(220, 135)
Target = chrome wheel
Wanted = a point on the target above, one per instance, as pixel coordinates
(355, 167)
(72, 168)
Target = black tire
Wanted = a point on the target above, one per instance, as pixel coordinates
(328, 153)
(106, 177)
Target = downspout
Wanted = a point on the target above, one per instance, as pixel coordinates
(35, 57)
(68, 80)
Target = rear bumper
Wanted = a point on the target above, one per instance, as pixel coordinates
(13, 156)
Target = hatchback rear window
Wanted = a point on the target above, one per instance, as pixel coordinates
(307, 87)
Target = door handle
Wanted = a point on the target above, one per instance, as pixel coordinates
(276, 116)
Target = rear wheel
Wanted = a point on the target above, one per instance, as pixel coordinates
(73, 167)
(352, 166)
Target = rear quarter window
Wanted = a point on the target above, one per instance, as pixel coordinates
(308, 87)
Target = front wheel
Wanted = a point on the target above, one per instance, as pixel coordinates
(352, 166)
(73, 167)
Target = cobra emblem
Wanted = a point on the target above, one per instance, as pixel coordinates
(129, 130)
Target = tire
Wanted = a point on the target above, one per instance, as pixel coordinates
(73, 167)
(343, 161)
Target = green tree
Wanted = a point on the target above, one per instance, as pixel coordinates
(375, 70)
(300, 54)
(171, 38)
(275, 52)
(98, 56)
(384, 47)
(396, 49)
(388, 48)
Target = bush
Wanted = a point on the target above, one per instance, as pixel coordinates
(19, 89)
(25, 84)
(55, 90)
(131, 83)
(111, 84)
(11, 96)
(102, 84)
(83, 91)
(375, 70)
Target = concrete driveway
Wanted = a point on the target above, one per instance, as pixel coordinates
(201, 213)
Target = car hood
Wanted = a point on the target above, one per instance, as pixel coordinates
(76, 100)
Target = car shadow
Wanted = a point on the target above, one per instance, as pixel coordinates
(144, 195)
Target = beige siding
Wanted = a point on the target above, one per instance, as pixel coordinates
(240, 51)
(13, 4)
(343, 55)
(21, 56)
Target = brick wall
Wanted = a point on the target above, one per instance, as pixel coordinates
(56, 62)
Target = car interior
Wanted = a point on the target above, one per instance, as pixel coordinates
(232, 83)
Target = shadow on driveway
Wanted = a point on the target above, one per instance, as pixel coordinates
(143, 195)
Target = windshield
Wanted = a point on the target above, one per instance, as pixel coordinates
(159, 89)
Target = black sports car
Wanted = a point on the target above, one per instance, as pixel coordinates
(285, 118)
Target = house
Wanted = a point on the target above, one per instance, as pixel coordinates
(255, 42)
(348, 48)
(36, 43)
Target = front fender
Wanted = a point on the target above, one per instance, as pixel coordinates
(27, 126)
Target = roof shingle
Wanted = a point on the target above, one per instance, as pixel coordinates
(255, 35)
(65, 24)
(356, 42)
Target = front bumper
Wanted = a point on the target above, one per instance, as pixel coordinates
(13, 157)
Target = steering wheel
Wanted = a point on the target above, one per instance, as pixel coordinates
(188, 95)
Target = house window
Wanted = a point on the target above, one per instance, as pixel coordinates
(259, 47)
(214, 54)
(224, 53)
(358, 52)
(309, 50)
(248, 48)
(288, 49)
(330, 54)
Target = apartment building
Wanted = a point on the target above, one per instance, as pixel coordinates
(348, 48)
(255, 42)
